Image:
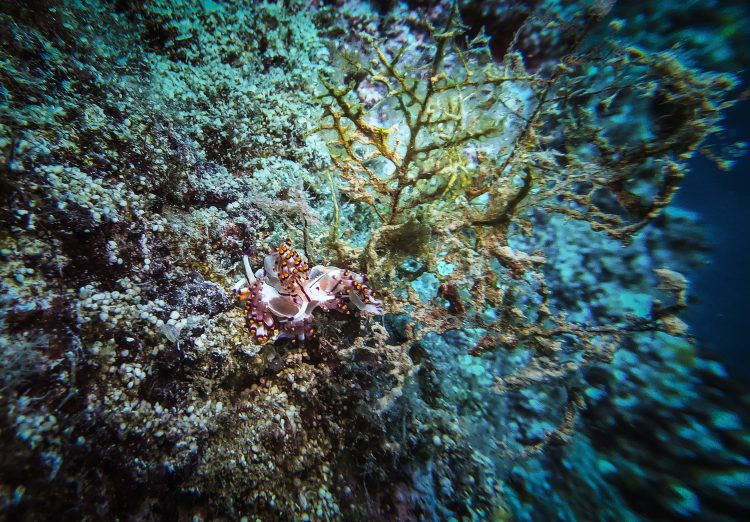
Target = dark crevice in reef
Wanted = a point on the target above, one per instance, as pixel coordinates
(500, 29)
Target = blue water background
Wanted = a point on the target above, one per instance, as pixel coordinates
(720, 313)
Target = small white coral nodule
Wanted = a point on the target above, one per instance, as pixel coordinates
(281, 296)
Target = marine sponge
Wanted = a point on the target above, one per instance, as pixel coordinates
(281, 297)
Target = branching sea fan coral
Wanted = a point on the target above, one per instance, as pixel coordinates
(281, 296)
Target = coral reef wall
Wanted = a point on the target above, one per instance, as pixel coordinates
(501, 171)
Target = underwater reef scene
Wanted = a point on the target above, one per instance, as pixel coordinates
(351, 260)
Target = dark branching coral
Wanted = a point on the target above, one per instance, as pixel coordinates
(407, 151)
(453, 155)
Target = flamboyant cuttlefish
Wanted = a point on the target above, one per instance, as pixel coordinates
(281, 296)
